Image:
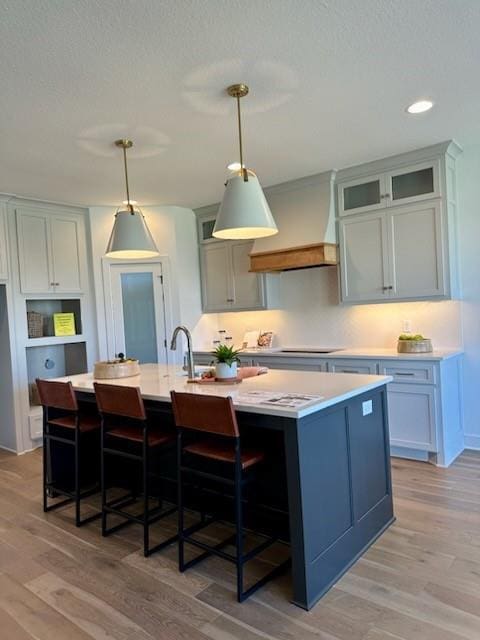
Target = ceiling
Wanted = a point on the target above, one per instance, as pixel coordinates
(329, 84)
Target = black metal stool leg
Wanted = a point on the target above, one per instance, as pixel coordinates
(103, 483)
(45, 467)
(77, 478)
(181, 525)
(146, 490)
(239, 533)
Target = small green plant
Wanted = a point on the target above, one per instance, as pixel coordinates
(226, 354)
(407, 336)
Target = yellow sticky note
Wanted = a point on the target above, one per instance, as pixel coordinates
(64, 324)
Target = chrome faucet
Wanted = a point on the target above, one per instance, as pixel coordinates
(173, 346)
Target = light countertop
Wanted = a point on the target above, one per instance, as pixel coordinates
(156, 382)
(365, 353)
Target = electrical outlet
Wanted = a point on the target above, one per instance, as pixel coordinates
(367, 408)
(406, 326)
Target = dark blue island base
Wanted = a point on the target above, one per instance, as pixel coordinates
(326, 480)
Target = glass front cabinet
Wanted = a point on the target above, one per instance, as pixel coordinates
(401, 186)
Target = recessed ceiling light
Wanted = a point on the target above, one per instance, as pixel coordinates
(234, 166)
(420, 107)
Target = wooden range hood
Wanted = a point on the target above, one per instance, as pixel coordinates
(304, 211)
(312, 255)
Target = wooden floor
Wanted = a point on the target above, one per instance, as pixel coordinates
(421, 580)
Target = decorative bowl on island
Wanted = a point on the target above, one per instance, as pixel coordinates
(118, 368)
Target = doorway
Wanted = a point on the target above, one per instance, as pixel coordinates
(138, 312)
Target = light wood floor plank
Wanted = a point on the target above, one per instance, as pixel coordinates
(420, 581)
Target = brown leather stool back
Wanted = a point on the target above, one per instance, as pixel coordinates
(116, 400)
(58, 395)
(210, 414)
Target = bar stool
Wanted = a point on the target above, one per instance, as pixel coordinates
(127, 434)
(65, 424)
(226, 464)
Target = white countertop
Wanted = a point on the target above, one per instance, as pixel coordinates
(156, 382)
(365, 353)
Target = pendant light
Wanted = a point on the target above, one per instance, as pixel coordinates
(130, 238)
(244, 212)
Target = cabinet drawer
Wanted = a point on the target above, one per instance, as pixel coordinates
(407, 372)
(352, 366)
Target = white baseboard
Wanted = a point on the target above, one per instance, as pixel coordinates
(472, 442)
(8, 449)
(409, 454)
(22, 453)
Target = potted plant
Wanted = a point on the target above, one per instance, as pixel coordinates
(226, 362)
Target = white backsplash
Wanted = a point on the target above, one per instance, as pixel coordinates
(311, 316)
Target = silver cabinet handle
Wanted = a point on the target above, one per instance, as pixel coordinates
(230, 300)
(403, 373)
(350, 371)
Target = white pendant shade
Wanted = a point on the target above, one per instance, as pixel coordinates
(244, 212)
(130, 238)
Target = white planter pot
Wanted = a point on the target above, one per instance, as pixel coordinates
(224, 371)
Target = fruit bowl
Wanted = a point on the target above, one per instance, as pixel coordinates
(414, 344)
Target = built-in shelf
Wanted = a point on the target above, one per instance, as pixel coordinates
(47, 341)
(45, 310)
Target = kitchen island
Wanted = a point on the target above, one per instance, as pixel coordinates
(328, 466)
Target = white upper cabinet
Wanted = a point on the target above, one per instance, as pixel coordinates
(415, 237)
(397, 227)
(362, 194)
(364, 264)
(413, 183)
(66, 239)
(227, 284)
(400, 186)
(247, 287)
(3, 244)
(216, 280)
(50, 246)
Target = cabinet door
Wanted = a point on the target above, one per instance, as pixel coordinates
(216, 277)
(66, 241)
(416, 247)
(248, 290)
(363, 194)
(414, 183)
(33, 232)
(364, 258)
(412, 416)
(353, 366)
(3, 245)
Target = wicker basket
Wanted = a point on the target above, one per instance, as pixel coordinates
(35, 324)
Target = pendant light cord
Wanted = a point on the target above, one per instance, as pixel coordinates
(242, 167)
(129, 206)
